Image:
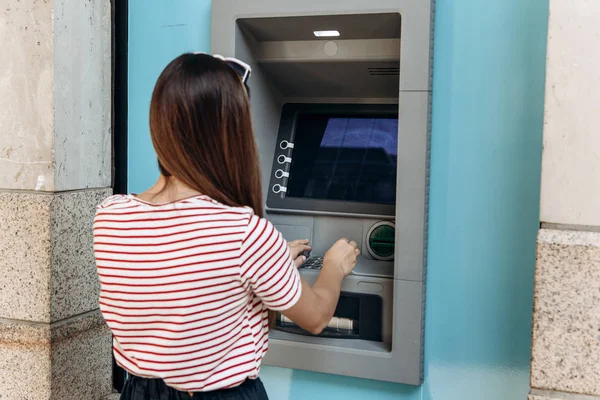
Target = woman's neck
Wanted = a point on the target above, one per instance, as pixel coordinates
(167, 190)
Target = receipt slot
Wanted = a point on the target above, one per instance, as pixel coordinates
(340, 106)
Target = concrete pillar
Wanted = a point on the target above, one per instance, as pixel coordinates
(566, 323)
(55, 167)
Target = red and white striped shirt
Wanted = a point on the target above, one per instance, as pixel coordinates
(186, 286)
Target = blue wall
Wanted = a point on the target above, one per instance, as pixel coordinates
(485, 176)
(158, 32)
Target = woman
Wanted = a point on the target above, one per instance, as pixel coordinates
(190, 268)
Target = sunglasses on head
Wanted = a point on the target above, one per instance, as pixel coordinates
(241, 68)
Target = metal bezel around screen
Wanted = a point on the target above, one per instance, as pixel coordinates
(287, 131)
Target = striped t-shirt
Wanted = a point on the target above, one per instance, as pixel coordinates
(186, 286)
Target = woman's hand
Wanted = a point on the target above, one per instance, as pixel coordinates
(343, 254)
(297, 247)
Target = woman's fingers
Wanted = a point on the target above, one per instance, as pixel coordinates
(298, 242)
(297, 247)
(299, 261)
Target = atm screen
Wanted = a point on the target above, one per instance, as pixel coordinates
(346, 158)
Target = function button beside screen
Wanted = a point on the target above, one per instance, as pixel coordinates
(282, 159)
(286, 145)
(281, 174)
(279, 189)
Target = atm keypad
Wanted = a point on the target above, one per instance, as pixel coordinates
(314, 262)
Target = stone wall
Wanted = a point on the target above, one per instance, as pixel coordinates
(566, 322)
(55, 163)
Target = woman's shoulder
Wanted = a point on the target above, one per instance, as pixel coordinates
(203, 200)
(253, 220)
(121, 203)
(114, 201)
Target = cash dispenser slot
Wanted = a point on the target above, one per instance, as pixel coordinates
(357, 316)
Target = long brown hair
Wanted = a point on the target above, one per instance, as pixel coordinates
(202, 131)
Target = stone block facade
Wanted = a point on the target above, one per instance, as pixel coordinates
(55, 163)
(566, 322)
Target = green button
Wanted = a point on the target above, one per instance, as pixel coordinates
(382, 241)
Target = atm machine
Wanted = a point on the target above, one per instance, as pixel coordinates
(340, 95)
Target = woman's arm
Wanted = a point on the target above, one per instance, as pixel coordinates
(268, 267)
(317, 304)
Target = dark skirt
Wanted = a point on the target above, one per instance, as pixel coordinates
(137, 388)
